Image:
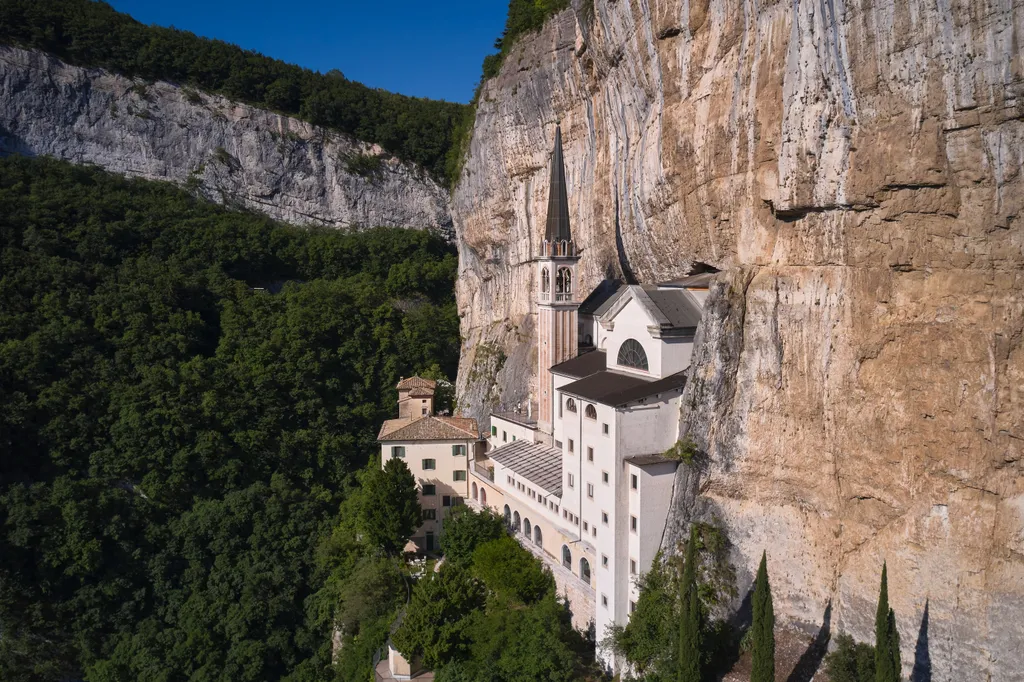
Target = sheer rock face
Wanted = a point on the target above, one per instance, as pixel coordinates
(855, 169)
(228, 152)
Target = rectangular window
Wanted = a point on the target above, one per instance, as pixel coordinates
(632, 523)
(458, 451)
(590, 454)
(513, 438)
(604, 601)
(494, 430)
(446, 500)
(423, 411)
(558, 444)
(429, 489)
(430, 541)
(593, 531)
(604, 477)
(586, 526)
(458, 501)
(565, 514)
(633, 481)
(559, 406)
(632, 566)
(590, 490)
(429, 464)
(604, 561)
(504, 436)
(398, 451)
(571, 444)
(572, 480)
(604, 429)
(459, 475)
(604, 518)
(632, 606)
(429, 514)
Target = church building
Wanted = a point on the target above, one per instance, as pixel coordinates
(584, 483)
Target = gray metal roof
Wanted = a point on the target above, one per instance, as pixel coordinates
(616, 388)
(699, 281)
(646, 460)
(583, 365)
(536, 462)
(677, 306)
(558, 198)
(600, 298)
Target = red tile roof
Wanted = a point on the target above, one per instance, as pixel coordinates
(429, 428)
(416, 382)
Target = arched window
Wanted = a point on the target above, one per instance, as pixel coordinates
(570, 404)
(527, 528)
(516, 525)
(538, 539)
(566, 557)
(483, 496)
(588, 340)
(585, 570)
(590, 412)
(631, 354)
(508, 516)
(474, 490)
(545, 280)
(563, 281)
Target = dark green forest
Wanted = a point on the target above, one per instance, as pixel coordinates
(188, 392)
(90, 33)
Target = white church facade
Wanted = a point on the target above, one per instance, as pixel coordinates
(583, 481)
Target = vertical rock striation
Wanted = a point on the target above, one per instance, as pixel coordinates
(855, 169)
(228, 152)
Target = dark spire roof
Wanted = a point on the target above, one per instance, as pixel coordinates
(558, 200)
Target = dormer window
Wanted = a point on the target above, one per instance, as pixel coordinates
(631, 354)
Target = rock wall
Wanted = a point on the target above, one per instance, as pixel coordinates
(855, 169)
(228, 152)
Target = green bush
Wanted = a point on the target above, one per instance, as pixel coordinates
(850, 661)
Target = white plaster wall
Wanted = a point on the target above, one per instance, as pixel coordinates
(631, 323)
(508, 432)
(649, 503)
(676, 354)
(650, 427)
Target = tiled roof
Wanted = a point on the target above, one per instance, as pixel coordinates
(428, 428)
(616, 388)
(416, 382)
(536, 462)
(583, 365)
(421, 393)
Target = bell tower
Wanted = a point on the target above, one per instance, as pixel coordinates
(557, 303)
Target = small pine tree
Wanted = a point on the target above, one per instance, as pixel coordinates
(689, 613)
(887, 637)
(763, 628)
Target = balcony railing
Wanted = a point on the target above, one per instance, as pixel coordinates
(483, 472)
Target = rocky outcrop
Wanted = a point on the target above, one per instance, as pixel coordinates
(855, 168)
(228, 152)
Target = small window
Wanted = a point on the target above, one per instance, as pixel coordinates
(590, 412)
(604, 518)
(429, 464)
(632, 606)
(504, 436)
(586, 526)
(494, 430)
(423, 411)
(604, 561)
(398, 451)
(572, 445)
(632, 566)
(446, 500)
(429, 514)
(570, 405)
(458, 501)
(558, 444)
(632, 523)
(513, 438)
(590, 454)
(429, 489)
(590, 490)
(604, 601)
(459, 475)
(458, 451)
(604, 429)
(593, 531)
(633, 481)
(572, 481)
(604, 477)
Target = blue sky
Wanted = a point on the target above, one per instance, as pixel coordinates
(426, 48)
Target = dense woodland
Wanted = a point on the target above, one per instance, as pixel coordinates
(91, 33)
(188, 392)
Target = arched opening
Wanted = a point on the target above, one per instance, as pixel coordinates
(508, 516)
(474, 490)
(538, 539)
(590, 412)
(527, 528)
(545, 280)
(516, 524)
(570, 404)
(588, 340)
(632, 354)
(563, 281)
(483, 496)
(566, 557)
(585, 570)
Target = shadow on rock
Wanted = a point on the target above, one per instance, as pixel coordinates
(811, 659)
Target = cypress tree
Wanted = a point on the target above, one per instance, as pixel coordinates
(887, 637)
(763, 628)
(689, 613)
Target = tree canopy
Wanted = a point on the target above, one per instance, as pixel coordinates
(188, 392)
(90, 33)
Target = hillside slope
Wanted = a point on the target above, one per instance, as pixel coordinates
(855, 169)
(229, 152)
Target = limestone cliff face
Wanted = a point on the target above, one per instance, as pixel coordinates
(854, 167)
(229, 152)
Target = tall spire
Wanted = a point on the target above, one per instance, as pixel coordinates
(558, 200)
